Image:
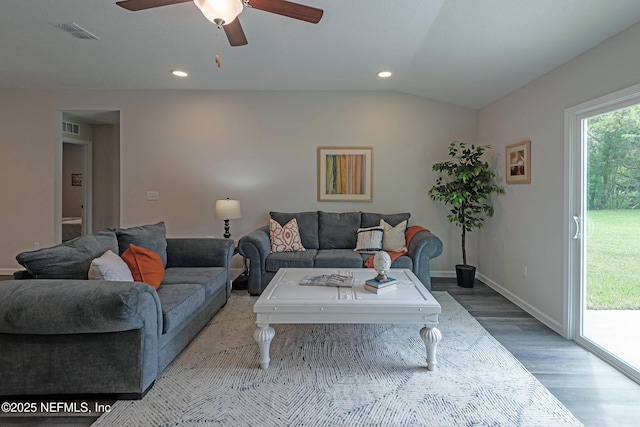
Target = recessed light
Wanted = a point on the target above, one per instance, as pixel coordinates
(384, 74)
(179, 73)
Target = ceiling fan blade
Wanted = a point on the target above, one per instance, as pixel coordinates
(134, 5)
(288, 9)
(234, 33)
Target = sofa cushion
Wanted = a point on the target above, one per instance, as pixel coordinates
(212, 278)
(145, 265)
(373, 219)
(338, 258)
(178, 302)
(68, 260)
(111, 267)
(285, 238)
(68, 306)
(338, 230)
(152, 236)
(279, 260)
(307, 225)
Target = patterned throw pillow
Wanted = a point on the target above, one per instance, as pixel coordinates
(393, 239)
(285, 238)
(369, 240)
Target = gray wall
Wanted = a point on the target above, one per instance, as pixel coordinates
(529, 225)
(106, 176)
(194, 147)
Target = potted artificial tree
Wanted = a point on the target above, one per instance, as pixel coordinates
(466, 183)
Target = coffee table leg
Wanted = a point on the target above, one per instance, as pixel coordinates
(263, 336)
(431, 338)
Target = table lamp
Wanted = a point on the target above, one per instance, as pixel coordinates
(227, 209)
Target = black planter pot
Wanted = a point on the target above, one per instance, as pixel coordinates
(466, 275)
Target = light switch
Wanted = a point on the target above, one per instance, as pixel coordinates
(153, 195)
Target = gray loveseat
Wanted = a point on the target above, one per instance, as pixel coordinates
(61, 333)
(329, 239)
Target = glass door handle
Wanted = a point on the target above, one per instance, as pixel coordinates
(576, 219)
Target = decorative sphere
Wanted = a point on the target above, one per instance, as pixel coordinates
(382, 263)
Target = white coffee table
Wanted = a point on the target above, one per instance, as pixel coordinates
(284, 300)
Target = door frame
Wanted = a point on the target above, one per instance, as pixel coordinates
(574, 214)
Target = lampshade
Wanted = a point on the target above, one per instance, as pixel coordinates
(227, 209)
(226, 10)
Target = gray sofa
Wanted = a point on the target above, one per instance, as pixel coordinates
(62, 334)
(329, 239)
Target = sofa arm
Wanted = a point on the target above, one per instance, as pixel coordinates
(58, 307)
(425, 245)
(255, 246)
(199, 252)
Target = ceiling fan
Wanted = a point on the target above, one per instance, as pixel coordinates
(224, 13)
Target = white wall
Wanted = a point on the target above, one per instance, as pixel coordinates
(194, 147)
(529, 225)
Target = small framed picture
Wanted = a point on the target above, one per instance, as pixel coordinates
(345, 174)
(76, 179)
(518, 163)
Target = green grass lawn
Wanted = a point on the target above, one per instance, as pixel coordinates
(613, 259)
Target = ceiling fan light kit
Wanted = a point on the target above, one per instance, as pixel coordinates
(224, 13)
(220, 12)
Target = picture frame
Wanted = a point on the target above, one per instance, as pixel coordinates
(345, 174)
(518, 163)
(76, 180)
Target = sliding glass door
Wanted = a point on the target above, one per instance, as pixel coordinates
(605, 239)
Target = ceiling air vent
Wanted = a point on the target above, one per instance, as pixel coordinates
(73, 128)
(75, 30)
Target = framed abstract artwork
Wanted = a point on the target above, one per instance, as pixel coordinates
(345, 174)
(518, 163)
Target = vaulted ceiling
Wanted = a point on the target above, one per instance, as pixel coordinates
(463, 52)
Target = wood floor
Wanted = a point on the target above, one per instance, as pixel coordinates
(597, 394)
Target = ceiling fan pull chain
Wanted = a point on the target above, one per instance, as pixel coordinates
(218, 61)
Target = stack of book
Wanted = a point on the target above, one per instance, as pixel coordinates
(377, 287)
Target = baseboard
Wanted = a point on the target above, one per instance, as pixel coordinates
(8, 271)
(444, 274)
(542, 317)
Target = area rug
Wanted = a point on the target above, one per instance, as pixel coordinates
(343, 375)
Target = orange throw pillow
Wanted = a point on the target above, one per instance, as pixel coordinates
(145, 265)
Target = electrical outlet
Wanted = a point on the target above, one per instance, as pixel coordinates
(36, 245)
(524, 271)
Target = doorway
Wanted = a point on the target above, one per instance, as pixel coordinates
(603, 204)
(97, 134)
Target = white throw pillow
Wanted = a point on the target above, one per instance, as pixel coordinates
(110, 266)
(394, 239)
(369, 240)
